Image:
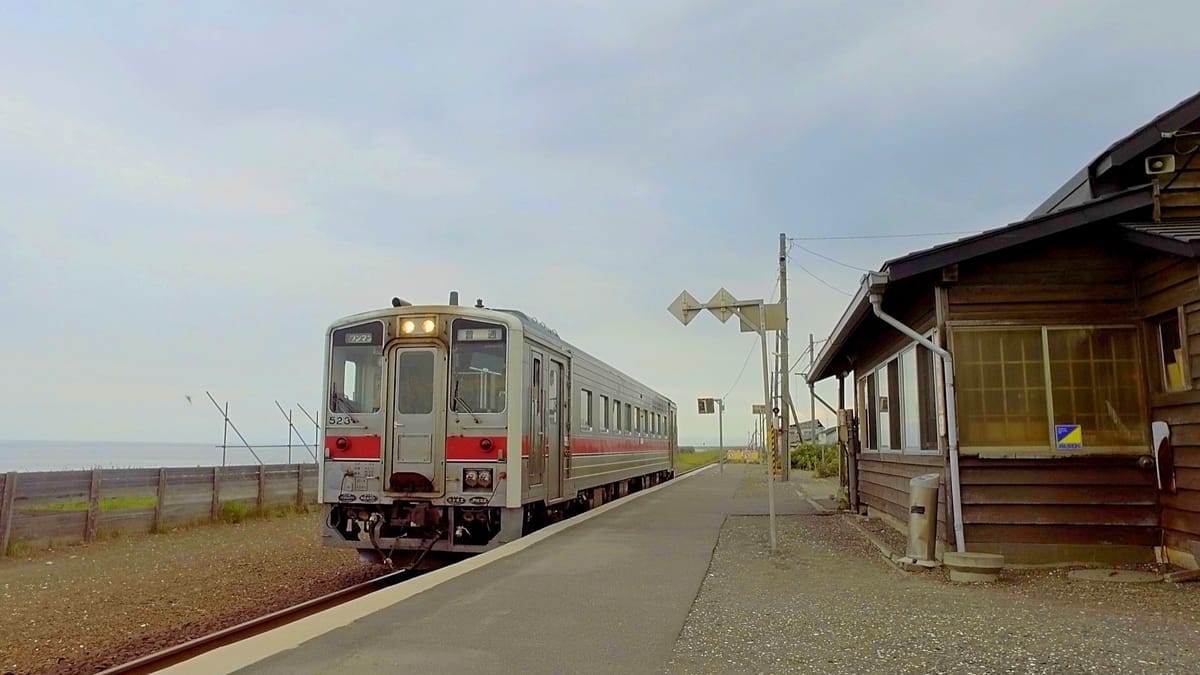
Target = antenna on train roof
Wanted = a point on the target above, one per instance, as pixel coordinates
(479, 303)
(454, 298)
(397, 302)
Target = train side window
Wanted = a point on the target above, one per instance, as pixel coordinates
(616, 420)
(585, 409)
(628, 417)
(605, 413)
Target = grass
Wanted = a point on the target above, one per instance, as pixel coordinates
(685, 461)
(106, 504)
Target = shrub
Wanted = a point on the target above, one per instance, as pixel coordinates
(822, 460)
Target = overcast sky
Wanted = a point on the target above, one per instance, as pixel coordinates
(189, 196)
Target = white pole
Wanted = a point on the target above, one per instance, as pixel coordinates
(762, 335)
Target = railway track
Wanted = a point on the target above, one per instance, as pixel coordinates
(181, 652)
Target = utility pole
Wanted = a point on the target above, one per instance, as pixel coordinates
(812, 392)
(785, 392)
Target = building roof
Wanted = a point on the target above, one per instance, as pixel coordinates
(1093, 195)
(1181, 237)
(1087, 184)
(991, 241)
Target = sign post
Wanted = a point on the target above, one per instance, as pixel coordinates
(708, 406)
(755, 316)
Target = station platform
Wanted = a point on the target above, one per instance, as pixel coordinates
(609, 593)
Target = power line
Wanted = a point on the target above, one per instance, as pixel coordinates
(832, 260)
(884, 236)
(826, 283)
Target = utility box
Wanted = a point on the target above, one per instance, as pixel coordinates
(922, 516)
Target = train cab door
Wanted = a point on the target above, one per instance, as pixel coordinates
(555, 408)
(416, 442)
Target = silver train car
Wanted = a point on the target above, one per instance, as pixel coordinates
(458, 429)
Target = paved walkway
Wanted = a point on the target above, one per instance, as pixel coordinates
(609, 595)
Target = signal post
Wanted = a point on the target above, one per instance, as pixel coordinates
(755, 316)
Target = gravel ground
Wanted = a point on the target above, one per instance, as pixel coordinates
(828, 603)
(81, 609)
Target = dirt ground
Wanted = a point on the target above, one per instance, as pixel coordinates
(83, 608)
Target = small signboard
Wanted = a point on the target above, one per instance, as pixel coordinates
(1068, 436)
(706, 406)
(760, 409)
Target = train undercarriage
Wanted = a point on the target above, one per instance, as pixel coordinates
(406, 533)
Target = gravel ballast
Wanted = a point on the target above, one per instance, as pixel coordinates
(81, 609)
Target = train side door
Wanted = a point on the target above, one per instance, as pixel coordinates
(537, 420)
(554, 430)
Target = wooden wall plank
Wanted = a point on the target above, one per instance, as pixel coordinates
(1059, 514)
(1061, 534)
(1061, 494)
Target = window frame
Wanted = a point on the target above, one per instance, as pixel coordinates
(1157, 322)
(874, 385)
(1049, 450)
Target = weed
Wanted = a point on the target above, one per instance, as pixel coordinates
(234, 512)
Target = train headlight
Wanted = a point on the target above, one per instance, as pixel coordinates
(470, 478)
(484, 478)
(408, 326)
(428, 326)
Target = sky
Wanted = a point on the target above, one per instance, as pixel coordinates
(190, 193)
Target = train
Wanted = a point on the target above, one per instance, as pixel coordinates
(457, 429)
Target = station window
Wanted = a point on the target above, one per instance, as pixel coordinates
(585, 409)
(1018, 386)
(606, 414)
(1171, 353)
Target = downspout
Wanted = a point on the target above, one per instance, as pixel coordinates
(877, 284)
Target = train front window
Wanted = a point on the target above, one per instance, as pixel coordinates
(356, 369)
(479, 366)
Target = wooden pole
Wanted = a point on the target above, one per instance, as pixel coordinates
(215, 510)
(6, 510)
(299, 487)
(93, 513)
(162, 497)
(262, 489)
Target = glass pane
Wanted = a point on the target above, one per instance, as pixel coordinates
(1002, 389)
(480, 373)
(414, 383)
(1097, 384)
(1171, 351)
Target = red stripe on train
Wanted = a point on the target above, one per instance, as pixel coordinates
(585, 445)
(471, 448)
(354, 447)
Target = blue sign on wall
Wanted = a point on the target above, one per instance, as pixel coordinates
(1068, 436)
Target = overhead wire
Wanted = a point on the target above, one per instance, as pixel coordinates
(885, 236)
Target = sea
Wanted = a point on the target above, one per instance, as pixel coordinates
(71, 455)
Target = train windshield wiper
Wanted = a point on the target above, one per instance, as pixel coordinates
(459, 401)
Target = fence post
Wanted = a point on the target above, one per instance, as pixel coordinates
(299, 487)
(262, 489)
(215, 511)
(162, 497)
(6, 510)
(93, 512)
